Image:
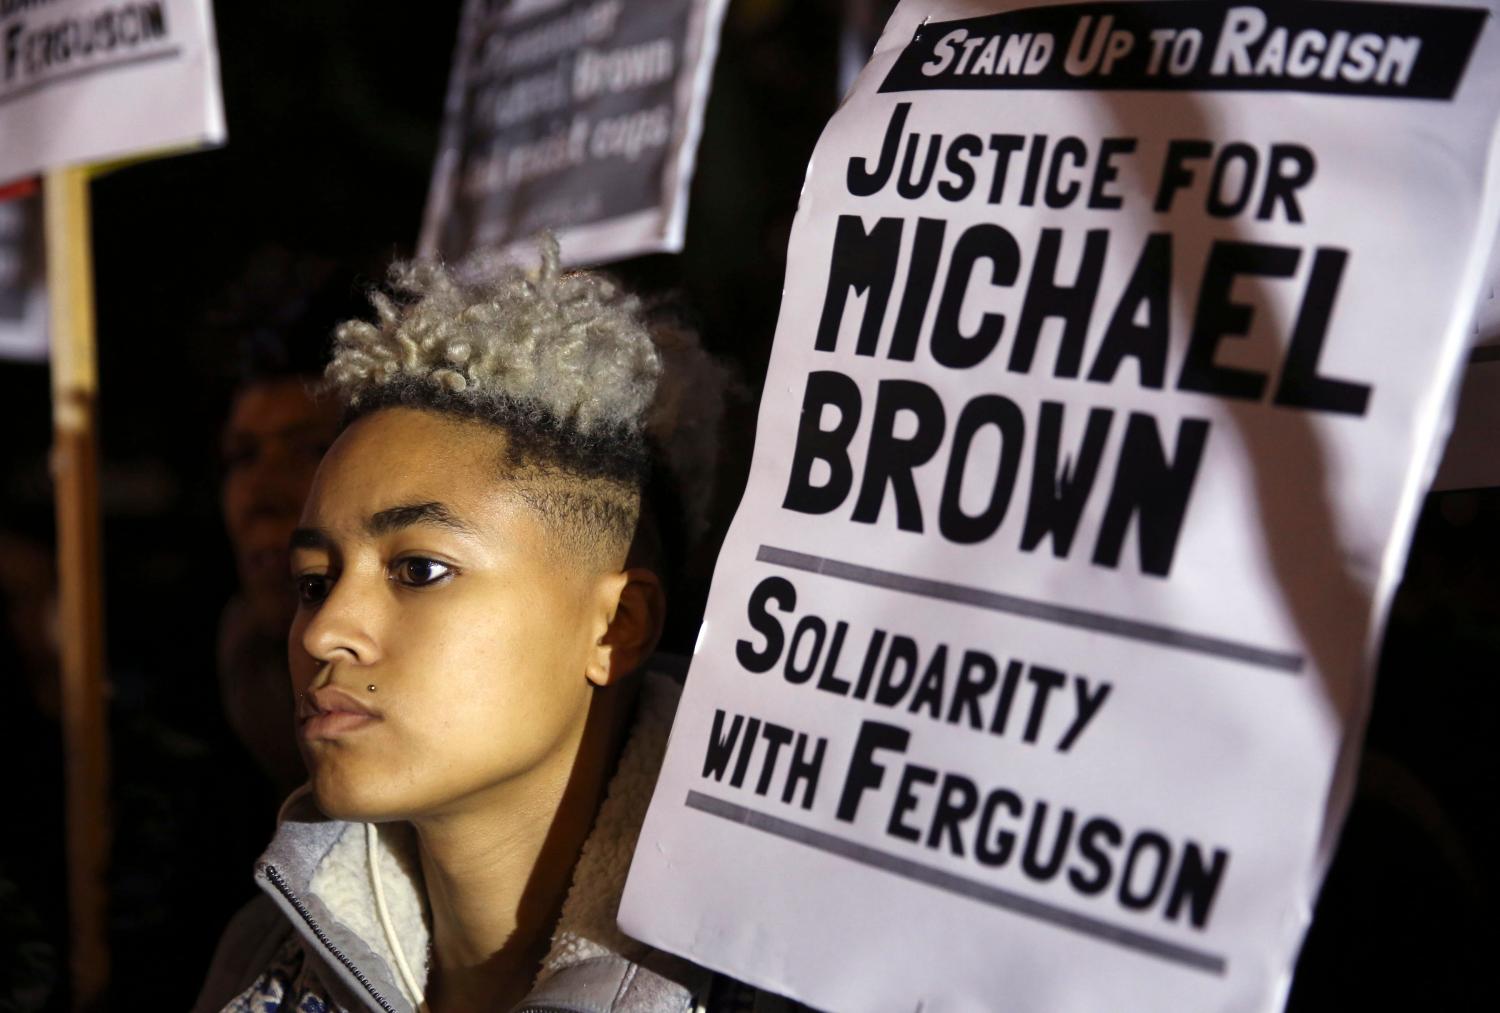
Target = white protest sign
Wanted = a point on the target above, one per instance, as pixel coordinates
(23, 295)
(94, 80)
(580, 116)
(1116, 349)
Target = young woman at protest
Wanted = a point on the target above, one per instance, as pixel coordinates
(478, 591)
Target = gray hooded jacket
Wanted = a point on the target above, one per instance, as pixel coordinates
(315, 941)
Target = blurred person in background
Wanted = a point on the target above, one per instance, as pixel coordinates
(276, 433)
(202, 739)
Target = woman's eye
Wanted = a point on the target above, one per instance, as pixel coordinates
(417, 571)
(312, 588)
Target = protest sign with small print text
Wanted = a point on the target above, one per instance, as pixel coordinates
(579, 116)
(1117, 349)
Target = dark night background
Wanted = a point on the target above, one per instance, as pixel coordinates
(333, 111)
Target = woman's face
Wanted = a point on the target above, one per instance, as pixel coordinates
(419, 572)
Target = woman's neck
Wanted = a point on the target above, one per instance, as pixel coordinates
(498, 870)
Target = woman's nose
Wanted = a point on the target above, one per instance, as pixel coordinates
(344, 626)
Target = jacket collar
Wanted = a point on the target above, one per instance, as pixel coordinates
(317, 870)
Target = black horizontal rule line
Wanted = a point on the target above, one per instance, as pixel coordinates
(1064, 615)
(91, 69)
(1027, 907)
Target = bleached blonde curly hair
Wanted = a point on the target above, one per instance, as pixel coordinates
(587, 390)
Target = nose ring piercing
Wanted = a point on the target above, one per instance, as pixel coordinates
(371, 687)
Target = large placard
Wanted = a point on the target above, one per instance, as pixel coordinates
(85, 81)
(1116, 352)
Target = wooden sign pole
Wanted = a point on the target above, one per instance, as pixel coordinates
(75, 471)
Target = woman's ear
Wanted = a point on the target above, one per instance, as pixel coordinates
(633, 626)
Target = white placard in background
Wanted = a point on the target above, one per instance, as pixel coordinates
(23, 295)
(96, 80)
(1116, 350)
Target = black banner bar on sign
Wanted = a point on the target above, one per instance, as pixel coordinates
(1008, 900)
(1339, 47)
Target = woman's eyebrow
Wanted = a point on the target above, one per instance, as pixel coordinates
(397, 517)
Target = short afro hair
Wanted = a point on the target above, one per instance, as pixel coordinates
(597, 401)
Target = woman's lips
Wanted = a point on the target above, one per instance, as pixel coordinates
(334, 724)
(330, 712)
